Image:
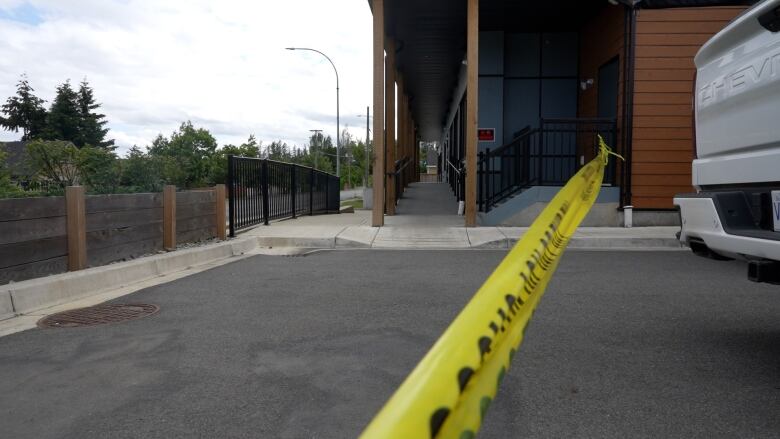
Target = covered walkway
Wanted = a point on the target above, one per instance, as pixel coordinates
(426, 204)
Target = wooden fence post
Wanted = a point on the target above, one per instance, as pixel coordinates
(221, 230)
(77, 228)
(169, 217)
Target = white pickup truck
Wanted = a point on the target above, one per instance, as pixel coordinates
(735, 212)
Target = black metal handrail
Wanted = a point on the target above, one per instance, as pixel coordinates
(401, 176)
(456, 175)
(260, 190)
(545, 156)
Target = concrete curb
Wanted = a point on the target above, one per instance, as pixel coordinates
(6, 305)
(483, 238)
(304, 242)
(35, 294)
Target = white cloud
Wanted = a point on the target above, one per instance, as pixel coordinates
(221, 64)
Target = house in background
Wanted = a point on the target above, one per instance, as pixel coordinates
(516, 92)
(17, 160)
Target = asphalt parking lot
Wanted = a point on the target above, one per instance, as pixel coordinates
(624, 344)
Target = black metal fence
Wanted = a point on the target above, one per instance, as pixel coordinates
(546, 156)
(260, 190)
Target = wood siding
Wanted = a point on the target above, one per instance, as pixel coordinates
(602, 39)
(666, 42)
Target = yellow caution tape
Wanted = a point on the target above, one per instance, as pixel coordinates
(448, 393)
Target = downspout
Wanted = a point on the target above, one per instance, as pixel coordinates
(628, 99)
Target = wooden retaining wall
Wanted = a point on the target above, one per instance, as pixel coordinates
(34, 231)
(122, 227)
(33, 238)
(195, 215)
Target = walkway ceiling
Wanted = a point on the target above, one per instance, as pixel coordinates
(430, 46)
(431, 43)
(431, 40)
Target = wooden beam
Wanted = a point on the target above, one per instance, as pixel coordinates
(378, 209)
(472, 94)
(390, 125)
(77, 227)
(169, 217)
(221, 217)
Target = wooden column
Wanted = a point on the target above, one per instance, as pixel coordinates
(221, 217)
(415, 150)
(169, 217)
(472, 94)
(401, 144)
(390, 125)
(409, 138)
(77, 227)
(378, 209)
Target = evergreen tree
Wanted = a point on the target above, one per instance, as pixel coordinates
(24, 111)
(91, 126)
(64, 115)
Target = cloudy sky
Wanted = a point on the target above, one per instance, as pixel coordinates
(219, 63)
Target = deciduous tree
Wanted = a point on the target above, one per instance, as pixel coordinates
(185, 156)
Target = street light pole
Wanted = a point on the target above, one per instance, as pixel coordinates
(338, 128)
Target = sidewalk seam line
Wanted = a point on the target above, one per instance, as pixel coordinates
(378, 229)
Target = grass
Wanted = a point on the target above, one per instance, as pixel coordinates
(356, 203)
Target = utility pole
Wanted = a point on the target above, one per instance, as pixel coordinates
(349, 170)
(368, 150)
(316, 137)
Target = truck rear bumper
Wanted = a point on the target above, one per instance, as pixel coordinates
(701, 220)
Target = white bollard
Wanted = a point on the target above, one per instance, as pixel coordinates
(461, 207)
(628, 216)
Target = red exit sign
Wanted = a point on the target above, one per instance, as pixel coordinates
(486, 134)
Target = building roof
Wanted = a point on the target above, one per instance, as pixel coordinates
(16, 157)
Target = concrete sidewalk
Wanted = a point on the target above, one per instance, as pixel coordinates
(353, 230)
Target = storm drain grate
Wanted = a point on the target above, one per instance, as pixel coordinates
(98, 315)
